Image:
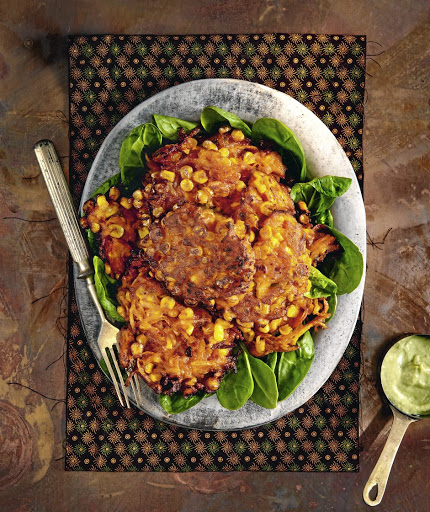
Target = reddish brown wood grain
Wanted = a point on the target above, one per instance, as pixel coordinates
(34, 105)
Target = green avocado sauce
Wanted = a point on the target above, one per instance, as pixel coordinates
(405, 375)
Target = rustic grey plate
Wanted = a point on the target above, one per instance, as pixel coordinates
(323, 156)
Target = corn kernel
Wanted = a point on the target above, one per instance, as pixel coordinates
(108, 270)
(265, 309)
(303, 206)
(240, 185)
(126, 202)
(224, 129)
(203, 197)
(168, 175)
(261, 290)
(245, 324)
(237, 135)
(191, 381)
(267, 208)
(252, 236)
(210, 237)
(200, 177)
(189, 330)
(186, 151)
(228, 315)
(149, 367)
(121, 311)
(274, 242)
(249, 336)
(115, 231)
(233, 300)
(224, 323)
(266, 232)
(143, 232)
(176, 157)
(218, 332)
(168, 302)
(95, 227)
(148, 188)
(187, 185)
(173, 313)
(186, 314)
(192, 142)
(261, 187)
(137, 203)
(292, 311)
(157, 211)
(212, 302)
(142, 339)
(240, 229)
(274, 324)
(141, 292)
(136, 349)
(102, 201)
(264, 328)
(155, 377)
(223, 351)
(137, 194)
(288, 250)
(208, 144)
(114, 193)
(260, 345)
(248, 158)
(224, 152)
(212, 383)
(169, 344)
(186, 171)
(157, 358)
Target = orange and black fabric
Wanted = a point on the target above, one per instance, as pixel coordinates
(111, 74)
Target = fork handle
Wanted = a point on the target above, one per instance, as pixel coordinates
(63, 204)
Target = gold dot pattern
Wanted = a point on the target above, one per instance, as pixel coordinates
(109, 75)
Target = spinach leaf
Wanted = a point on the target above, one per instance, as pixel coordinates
(236, 388)
(331, 186)
(104, 285)
(319, 194)
(107, 185)
(144, 138)
(265, 391)
(212, 118)
(271, 360)
(332, 304)
(178, 403)
(92, 242)
(292, 367)
(323, 218)
(322, 286)
(289, 146)
(346, 270)
(169, 126)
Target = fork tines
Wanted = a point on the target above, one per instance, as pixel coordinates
(134, 381)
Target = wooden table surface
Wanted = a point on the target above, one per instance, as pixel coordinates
(33, 254)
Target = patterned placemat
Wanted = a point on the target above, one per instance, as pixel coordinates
(111, 74)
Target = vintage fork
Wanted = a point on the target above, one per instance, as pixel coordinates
(62, 200)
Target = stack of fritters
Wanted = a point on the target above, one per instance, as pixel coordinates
(210, 249)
